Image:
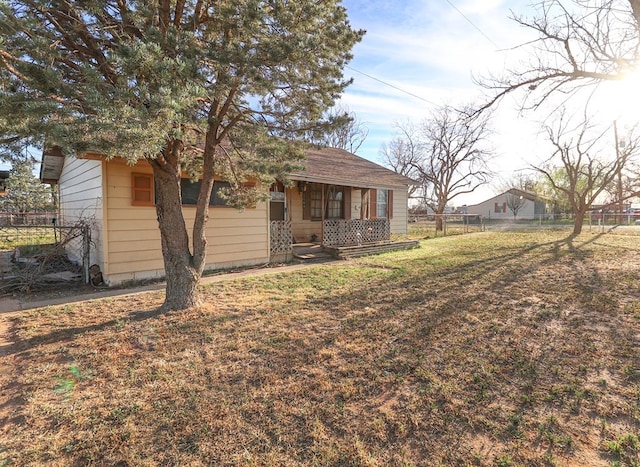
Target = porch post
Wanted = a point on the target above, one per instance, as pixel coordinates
(323, 215)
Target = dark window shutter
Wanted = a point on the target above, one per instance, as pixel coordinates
(373, 193)
(347, 202)
(390, 204)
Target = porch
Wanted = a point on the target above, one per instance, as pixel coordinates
(341, 239)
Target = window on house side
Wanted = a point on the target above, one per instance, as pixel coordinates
(382, 204)
(191, 189)
(142, 190)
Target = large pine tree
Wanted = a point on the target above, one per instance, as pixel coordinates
(201, 87)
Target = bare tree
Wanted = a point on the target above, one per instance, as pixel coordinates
(403, 153)
(579, 43)
(523, 181)
(584, 171)
(454, 156)
(515, 202)
(346, 131)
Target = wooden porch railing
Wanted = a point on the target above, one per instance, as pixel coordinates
(355, 231)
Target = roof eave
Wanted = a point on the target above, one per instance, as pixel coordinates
(342, 181)
(51, 166)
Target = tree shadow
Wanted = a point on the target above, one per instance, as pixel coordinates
(68, 334)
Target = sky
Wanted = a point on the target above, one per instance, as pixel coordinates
(418, 54)
(429, 51)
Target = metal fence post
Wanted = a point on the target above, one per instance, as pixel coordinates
(86, 252)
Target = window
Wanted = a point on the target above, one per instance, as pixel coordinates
(334, 198)
(191, 189)
(277, 203)
(315, 202)
(382, 204)
(142, 190)
(335, 203)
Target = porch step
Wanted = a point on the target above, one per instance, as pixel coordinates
(346, 252)
(309, 251)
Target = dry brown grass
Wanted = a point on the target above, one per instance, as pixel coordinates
(486, 349)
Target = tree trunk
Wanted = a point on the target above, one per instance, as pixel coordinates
(439, 217)
(578, 222)
(181, 275)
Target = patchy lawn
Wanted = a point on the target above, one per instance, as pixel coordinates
(484, 349)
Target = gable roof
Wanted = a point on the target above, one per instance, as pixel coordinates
(340, 167)
(528, 195)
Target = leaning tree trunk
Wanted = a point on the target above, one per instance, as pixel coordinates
(182, 276)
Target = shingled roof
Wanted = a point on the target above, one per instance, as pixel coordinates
(339, 167)
(327, 165)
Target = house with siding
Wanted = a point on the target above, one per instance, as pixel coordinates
(526, 204)
(331, 201)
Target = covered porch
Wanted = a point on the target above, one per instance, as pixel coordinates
(342, 239)
(332, 214)
(339, 200)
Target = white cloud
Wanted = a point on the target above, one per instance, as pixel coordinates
(430, 50)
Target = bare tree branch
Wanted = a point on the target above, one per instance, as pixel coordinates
(579, 44)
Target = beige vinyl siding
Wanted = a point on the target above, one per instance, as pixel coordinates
(400, 212)
(301, 229)
(235, 238)
(81, 199)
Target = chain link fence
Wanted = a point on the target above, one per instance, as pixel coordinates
(438, 225)
(427, 225)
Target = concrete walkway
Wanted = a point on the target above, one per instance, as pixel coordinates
(15, 304)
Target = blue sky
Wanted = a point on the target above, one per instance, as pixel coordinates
(430, 49)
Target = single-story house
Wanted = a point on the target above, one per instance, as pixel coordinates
(512, 204)
(339, 198)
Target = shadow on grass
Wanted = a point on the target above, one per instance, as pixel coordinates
(404, 287)
(68, 334)
(380, 350)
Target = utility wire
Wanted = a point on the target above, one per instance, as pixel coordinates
(472, 24)
(391, 85)
(410, 93)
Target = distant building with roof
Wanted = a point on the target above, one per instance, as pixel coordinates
(511, 204)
